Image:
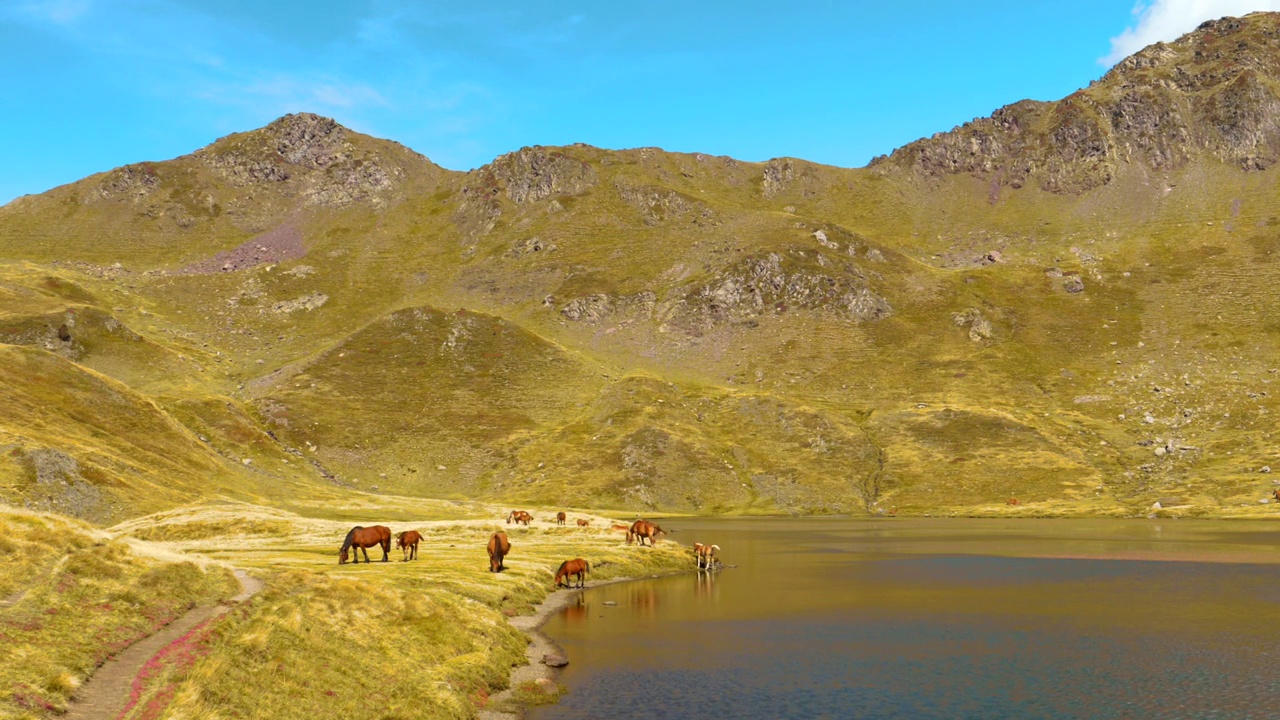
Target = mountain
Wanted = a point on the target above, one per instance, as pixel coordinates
(1072, 304)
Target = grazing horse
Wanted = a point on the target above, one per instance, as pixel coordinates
(499, 546)
(1013, 501)
(560, 517)
(583, 522)
(1276, 494)
(519, 516)
(408, 544)
(642, 529)
(705, 555)
(363, 538)
(575, 567)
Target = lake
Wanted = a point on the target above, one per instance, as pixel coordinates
(938, 618)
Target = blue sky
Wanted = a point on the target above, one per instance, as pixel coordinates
(93, 84)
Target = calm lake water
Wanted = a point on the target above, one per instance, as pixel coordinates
(901, 618)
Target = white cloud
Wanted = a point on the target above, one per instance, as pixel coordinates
(1165, 20)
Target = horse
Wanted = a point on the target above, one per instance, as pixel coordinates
(575, 567)
(1013, 501)
(560, 517)
(408, 543)
(705, 555)
(363, 538)
(1276, 494)
(519, 516)
(642, 529)
(583, 522)
(499, 546)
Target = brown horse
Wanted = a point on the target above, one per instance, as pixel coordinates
(519, 516)
(1013, 501)
(575, 567)
(560, 517)
(363, 538)
(583, 522)
(1276, 494)
(705, 555)
(408, 543)
(499, 546)
(642, 529)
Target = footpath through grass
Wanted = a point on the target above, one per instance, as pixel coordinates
(70, 597)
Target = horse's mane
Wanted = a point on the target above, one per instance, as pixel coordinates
(347, 542)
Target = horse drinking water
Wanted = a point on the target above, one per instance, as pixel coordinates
(705, 555)
(362, 538)
(570, 568)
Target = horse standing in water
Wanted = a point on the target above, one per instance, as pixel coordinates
(575, 567)
(408, 544)
(362, 538)
(642, 529)
(560, 518)
(499, 546)
(705, 555)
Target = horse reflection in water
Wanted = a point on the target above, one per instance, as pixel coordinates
(644, 600)
(706, 582)
(577, 611)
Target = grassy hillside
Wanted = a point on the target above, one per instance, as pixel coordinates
(1068, 303)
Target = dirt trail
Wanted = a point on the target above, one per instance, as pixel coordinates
(107, 691)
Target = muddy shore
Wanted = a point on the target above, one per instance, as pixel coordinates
(540, 646)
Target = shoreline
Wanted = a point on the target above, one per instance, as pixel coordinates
(541, 645)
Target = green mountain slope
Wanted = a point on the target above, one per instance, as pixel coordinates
(1069, 303)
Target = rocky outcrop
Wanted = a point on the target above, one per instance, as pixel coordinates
(59, 486)
(601, 306)
(778, 174)
(536, 173)
(980, 328)
(1203, 95)
(310, 301)
(314, 156)
(131, 182)
(657, 204)
(523, 177)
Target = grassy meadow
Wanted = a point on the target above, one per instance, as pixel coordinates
(421, 639)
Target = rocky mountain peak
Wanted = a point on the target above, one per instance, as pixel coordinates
(1213, 93)
(328, 164)
(307, 139)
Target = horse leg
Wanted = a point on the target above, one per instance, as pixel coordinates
(386, 550)
(366, 554)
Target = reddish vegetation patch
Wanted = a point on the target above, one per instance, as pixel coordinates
(283, 242)
(178, 657)
(28, 698)
(480, 698)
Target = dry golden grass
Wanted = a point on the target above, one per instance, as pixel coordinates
(74, 597)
